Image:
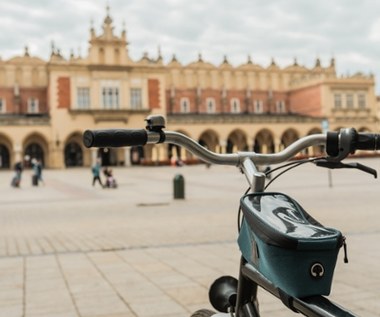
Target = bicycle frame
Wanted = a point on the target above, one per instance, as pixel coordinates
(250, 278)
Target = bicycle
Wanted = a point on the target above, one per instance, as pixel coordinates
(284, 250)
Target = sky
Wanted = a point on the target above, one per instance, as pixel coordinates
(348, 30)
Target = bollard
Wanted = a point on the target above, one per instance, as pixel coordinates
(179, 187)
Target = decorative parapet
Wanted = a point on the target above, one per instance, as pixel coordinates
(239, 118)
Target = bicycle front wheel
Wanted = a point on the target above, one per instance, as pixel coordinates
(203, 313)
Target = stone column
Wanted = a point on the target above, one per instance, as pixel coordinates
(127, 156)
(277, 145)
(223, 147)
(17, 154)
(164, 152)
(94, 155)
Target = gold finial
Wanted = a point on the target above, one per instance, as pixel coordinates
(108, 8)
(108, 19)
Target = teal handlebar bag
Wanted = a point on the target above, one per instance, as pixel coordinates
(289, 247)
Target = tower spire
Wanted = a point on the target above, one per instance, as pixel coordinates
(108, 19)
(108, 9)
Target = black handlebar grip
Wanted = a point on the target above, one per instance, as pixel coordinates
(332, 143)
(367, 141)
(115, 137)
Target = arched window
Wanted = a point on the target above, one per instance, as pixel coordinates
(235, 105)
(137, 155)
(258, 106)
(4, 157)
(3, 108)
(108, 156)
(210, 105)
(35, 151)
(73, 155)
(185, 105)
(280, 106)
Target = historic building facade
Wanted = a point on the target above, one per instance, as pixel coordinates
(46, 105)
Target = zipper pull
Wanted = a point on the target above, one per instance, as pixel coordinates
(345, 250)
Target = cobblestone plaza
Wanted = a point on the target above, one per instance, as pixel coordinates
(68, 249)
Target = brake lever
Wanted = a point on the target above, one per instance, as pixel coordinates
(334, 165)
(363, 168)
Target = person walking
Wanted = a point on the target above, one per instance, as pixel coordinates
(96, 173)
(33, 162)
(16, 180)
(39, 171)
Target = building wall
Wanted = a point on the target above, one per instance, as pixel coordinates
(307, 100)
(275, 105)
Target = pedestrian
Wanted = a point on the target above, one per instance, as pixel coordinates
(96, 173)
(39, 171)
(16, 180)
(110, 180)
(33, 163)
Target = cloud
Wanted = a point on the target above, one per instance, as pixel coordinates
(282, 29)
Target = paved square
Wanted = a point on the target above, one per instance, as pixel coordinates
(70, 249)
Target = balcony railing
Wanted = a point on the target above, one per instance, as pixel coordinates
(28, 119)
(109, 114)
(236, 118)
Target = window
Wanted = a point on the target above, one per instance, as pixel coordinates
(258, 106)
(83, 97)
(2, 105)
(110, 94)
(350, 101)
(110, 97)
(280, 106)
(235, 105)
(362, 101)
(136, 100)
(185, 105)
(33, 105)
(337, 101)
(210, 105)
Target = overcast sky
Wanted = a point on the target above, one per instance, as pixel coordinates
(348, 30)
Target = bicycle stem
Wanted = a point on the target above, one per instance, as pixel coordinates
(255, 178)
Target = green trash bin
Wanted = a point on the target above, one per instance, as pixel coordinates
(179, 187)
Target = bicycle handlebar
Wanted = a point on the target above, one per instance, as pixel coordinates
(115, 137)
(338, 144)
(135, 137)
